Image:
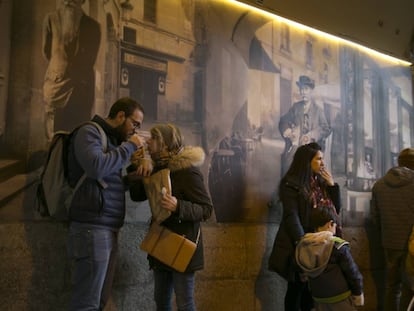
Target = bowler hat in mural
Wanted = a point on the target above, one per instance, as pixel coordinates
(305, 80)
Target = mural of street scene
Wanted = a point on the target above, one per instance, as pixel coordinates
(247, 87)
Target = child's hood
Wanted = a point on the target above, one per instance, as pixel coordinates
(313, 252)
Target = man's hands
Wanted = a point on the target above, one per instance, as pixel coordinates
(292, 134)
(138, 141)
(144, 165)
(289, 133)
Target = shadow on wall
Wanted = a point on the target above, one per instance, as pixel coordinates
(377, 262)
(50, 269)
(37, 276)
(226, 179)
(270, 288)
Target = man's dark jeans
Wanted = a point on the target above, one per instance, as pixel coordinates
(93, 252)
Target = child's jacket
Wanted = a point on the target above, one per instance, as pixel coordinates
(327, 262)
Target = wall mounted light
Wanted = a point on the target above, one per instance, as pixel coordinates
(127, 8)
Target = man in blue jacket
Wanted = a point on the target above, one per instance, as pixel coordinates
(98, 207)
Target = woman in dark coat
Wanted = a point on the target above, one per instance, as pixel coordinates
(305, 185)
(188, 205)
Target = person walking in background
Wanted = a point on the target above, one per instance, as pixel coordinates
(97, 210)
(392, 205)
(70, 44)
(306, 185)
(305, 122)
(326, 261)
(189, 204)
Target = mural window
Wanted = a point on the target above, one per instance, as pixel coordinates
(130, 35)
(406, 126)
(393, 121)
(285, 38)
(365, 166)
(324, 77)
(150, 11)
(309, 53)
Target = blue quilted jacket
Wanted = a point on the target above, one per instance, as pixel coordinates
(100, 200)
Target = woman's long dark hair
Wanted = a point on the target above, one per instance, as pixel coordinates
(300, 170)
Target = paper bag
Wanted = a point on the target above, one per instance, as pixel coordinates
(154, 185)
(168, 247)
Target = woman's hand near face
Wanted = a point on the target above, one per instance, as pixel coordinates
(326, 175)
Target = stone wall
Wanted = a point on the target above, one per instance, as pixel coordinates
(35, 274)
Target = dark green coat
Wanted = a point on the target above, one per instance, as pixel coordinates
(194, 203)
(295, 223)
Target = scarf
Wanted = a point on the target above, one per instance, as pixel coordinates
(319, 196)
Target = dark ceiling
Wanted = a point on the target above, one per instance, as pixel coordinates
(383, 25)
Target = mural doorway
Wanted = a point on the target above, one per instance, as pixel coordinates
(143, 84)
(4, 64)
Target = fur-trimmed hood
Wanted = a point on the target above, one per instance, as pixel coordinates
(187, 157)
(314, 251)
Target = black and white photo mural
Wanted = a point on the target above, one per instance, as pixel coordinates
(70, 43)
(247, 86)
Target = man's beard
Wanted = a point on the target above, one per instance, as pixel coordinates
(122, 134)
(70, 17)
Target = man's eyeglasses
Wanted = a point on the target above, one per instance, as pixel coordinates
(135, 124)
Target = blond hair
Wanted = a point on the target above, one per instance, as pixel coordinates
(168, 135)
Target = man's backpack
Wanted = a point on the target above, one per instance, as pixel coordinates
(54, 194)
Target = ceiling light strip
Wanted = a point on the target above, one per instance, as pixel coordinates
(324, 34)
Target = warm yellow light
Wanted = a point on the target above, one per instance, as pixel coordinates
(323, 34)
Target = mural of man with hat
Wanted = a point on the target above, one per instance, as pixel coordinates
(305, 122)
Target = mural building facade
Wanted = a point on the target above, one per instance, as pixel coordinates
(247, 87)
